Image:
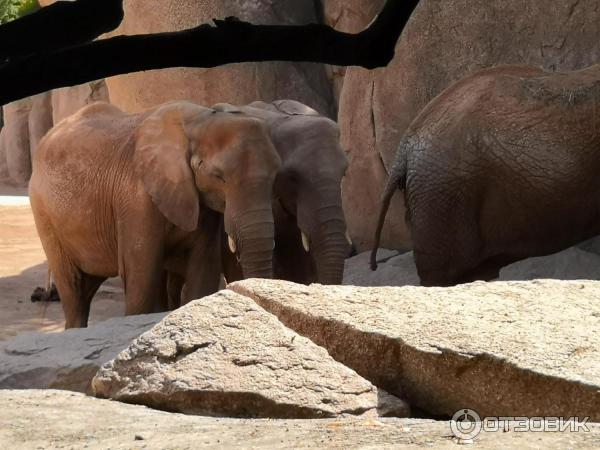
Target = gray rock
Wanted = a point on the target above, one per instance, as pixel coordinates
(67, 360)
(591, 245)
(503, 348)
(52, 419)
(393, 269)
(225, 356)
(570, 264)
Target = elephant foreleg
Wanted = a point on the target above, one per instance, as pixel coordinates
(141, 252)
(203, 273)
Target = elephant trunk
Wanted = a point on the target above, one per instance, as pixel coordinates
(329, 244)
(251, 237)
(330, 253)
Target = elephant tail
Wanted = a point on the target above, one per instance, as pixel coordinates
(396, 180)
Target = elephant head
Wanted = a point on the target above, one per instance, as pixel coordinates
(308, 186)
(190, 157)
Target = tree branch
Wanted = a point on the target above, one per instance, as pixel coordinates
(60, 25)
(229, 41)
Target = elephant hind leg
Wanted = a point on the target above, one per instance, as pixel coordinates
(76, 290)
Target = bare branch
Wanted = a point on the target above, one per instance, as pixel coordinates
(229, 41)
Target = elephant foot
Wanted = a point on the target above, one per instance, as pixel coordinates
(41, 294)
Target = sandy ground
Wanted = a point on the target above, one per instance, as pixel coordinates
(23, 268)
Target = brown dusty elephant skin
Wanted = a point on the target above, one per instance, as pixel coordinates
(311, 242)
(501, 166)
(137, 194)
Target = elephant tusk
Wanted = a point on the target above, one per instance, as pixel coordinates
(232, 245)
(348, 238)
(305, 243)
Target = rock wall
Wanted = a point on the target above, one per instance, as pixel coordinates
(236, 83)
(349, 16)
(444, 41)
(26, 121)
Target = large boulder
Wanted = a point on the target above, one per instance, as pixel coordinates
(55, 419)
(67, 360)
(444, 41)
(501, 349)
(226, 356)
(348, 16)
(235, 83)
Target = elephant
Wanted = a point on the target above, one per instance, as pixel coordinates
(501, 166)
(311, 241)
(142, 195)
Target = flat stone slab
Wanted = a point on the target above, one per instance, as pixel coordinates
(226, 356)
(70, 359)
(502, 349)
(32, 420)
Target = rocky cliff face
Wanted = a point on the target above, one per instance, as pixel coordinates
(236, 83)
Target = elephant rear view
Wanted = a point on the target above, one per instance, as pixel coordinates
(136, 195)
(501, 166)
(311, 241)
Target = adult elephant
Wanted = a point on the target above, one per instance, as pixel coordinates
(135, 194)
(501, 166)
(311, 242)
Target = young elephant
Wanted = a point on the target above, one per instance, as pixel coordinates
(311, 242)
(136, 194)
(501, 166)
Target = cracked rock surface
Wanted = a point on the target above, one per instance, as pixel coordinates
(70, 359)
(226, 356)
(503, 348)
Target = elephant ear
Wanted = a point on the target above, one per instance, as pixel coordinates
(294, 108)
(162, 158)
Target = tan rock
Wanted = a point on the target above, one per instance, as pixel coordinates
(53, 419)
(69, 100)
(502, 349)
(40, 119)
(443, 42)
(349, 16)
(225, 356)
(15, 140)
(236, 83)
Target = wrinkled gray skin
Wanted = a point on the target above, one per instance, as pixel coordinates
(501, 166)
(140, 195)
(307, 194)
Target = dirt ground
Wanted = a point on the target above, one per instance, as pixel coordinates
(23, 268)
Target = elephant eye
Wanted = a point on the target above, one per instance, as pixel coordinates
(219, 175)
